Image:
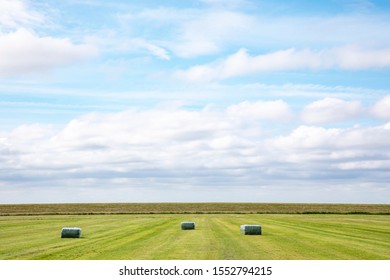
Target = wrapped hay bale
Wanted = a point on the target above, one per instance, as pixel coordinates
(250, 229)
(187, 225)
(74, 232)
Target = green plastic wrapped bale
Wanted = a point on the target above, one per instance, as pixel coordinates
(187, 225)
(250, 229)
(74, 232)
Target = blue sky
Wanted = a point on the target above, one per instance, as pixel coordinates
(207, 100)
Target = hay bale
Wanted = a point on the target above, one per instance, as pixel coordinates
(250, 229)
(187, 225)
(74, 232)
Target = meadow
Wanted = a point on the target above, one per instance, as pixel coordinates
(157, 236)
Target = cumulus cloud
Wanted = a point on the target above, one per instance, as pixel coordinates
(161, 139)
(330, 141)
(137, 145)
(307, 137)
(241, 63)
(24, 51)
(330, 110)
(175, 150)
(381, 109)
(177, 138)
(359, 155)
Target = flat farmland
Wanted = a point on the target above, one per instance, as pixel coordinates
(191, 208)
(216, 237)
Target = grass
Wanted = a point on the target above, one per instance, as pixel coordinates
(190, 208)
(159, 236)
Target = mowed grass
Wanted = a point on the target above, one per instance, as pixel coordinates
(217, 237)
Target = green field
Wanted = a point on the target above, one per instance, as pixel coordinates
(217, 236)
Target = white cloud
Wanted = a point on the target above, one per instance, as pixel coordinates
(160, 135)
(131, 141)
(271, 110)
(23, 51)
(354, 58)
(16, 13)
(333, 159)
(307, 137)
(330, 110)
(381, 109)
(364, 165)
(241, 63)
(129, 144)
(180, 151)
(327, 141)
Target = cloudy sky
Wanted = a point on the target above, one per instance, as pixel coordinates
(201, 100)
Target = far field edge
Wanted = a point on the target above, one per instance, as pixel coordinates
(191, 208)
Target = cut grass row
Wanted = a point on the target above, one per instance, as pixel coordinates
(158, 236)
(194, 208)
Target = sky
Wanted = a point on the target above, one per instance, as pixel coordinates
(194, 101)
